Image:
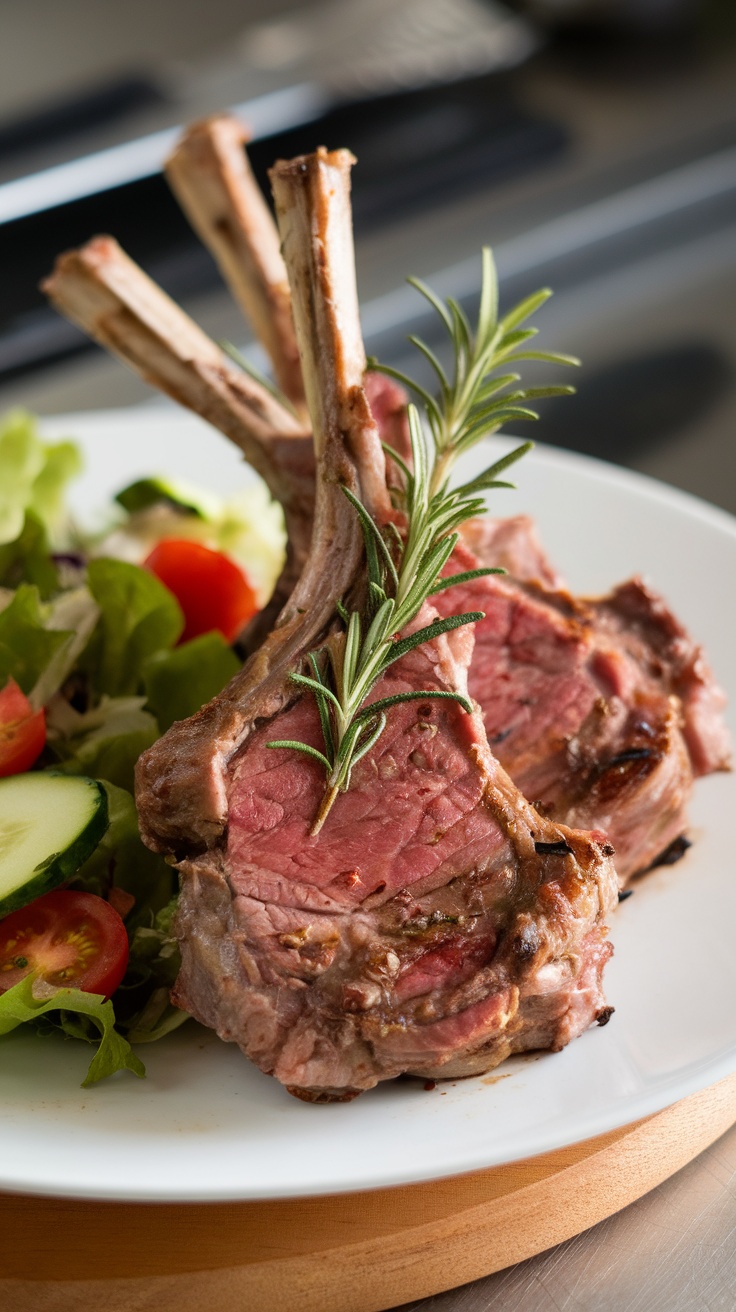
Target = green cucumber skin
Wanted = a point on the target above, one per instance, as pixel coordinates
(149, 492)
(61, 865)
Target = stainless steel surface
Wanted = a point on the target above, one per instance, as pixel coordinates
(391, 45)
(672, 1251)
(278, 74)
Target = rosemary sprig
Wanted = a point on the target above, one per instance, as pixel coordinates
(404, 569)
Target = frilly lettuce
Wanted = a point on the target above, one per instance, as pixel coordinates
(34, 476)
(152, 970)
(74, 613)
(105, 742)
(27, 559)
(80, 1015)
(138, 616)
(27, 645)
(178, 682)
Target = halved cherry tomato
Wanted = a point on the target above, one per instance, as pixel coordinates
(22, 731)
(69, 939)
(211, 590)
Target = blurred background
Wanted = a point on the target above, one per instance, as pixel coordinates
(592, 143)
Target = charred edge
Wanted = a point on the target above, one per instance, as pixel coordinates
(499, 737)
(560, 848)
(524, 948)
(631, 754)
(322, 1095)
(626, 892)
(672, 854)
(604, 1015)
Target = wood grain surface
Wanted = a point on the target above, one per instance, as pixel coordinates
(348, 1253)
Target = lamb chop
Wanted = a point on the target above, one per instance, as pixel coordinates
(435, 923)
(602, 712)
(597, 736)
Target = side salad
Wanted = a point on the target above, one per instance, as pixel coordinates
(106, 638)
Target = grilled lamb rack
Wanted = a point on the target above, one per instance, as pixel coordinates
(612, 734)
(436, 923)
(601, 711)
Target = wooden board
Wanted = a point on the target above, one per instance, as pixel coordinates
(350, 1253)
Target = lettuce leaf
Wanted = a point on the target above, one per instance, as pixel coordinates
(62, 463)
(27, 645)
(105, 742)
(75, 614)
(35, 475)
(30, 999)
(180, 681)
(27, 559)
(138, 616)
(157, 1018)
(147, 1013)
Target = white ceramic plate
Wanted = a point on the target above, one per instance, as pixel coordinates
(206, 1124)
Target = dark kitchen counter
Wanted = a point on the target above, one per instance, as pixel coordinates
(631, 218)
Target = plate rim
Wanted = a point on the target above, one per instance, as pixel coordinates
(704, 1073)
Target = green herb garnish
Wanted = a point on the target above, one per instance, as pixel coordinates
(405, 568)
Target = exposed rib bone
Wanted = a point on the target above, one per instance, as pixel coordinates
(312, 195)
(212, 179)
(107, 295)
(181, 780)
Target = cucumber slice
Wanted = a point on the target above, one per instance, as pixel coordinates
(153, 491)
(49, 825)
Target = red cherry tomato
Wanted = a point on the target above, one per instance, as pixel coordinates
(211, 590)
(70, 940)
(22, 731)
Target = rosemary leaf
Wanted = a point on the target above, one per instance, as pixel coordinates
(430, 631)
(405, 566)
(435, 693)
(466, 577)
(316, 685)
(302, 747)
(372, 535)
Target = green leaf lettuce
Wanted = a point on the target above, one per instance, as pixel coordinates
(27, 645)
(35, 475)
(105, 742)
(29, 1000)
(180, 681)
(138, 616)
